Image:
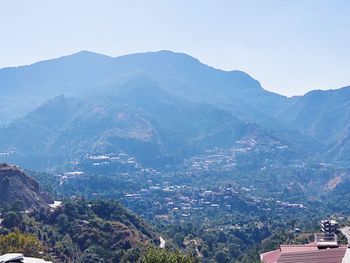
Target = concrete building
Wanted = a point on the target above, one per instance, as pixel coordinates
(329, 226)
(325, 249)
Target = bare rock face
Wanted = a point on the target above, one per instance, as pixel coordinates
(16, 186)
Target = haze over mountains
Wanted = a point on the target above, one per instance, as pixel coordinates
(86, 72)
(220, 166)
(160, 107)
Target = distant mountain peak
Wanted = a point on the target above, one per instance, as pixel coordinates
(161, 56)
(87, 52)
(84, 73)
(84, 55)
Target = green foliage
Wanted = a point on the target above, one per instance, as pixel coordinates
(179, 239)
(27, 244)
(157, 255)
(12, 219)
(221, 257)
(81, 231)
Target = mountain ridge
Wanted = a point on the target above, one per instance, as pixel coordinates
(137, 117)
(88, 53)
(306, 120)
(29, 86)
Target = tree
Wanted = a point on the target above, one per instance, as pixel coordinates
(12, 219)
(205, 252)
(234, 250)
(67, 247)
(179, 239)
(221, 257)
(89, 256)
(209, 238)
(63, 221)
(15, 242)
(222, 237)
(157, 255)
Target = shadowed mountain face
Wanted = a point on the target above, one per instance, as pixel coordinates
(320, 114)
(17, 186)
(156, 105)
(324, 116)
(136, 117)
(25, 88)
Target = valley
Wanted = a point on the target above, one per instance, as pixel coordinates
(206, 159)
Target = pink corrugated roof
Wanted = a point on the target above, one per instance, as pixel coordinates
(271, 256)
(298, 248)
(308, 253)
(334, 255)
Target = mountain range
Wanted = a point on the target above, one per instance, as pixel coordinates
(174, 140)
(160, 107)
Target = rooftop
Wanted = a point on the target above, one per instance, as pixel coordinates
(309, 253)
(19, 258)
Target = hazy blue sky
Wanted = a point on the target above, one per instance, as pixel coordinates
(289, 46)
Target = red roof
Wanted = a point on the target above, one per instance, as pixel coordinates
(271, 256)
(304, 254)
(298, 248)
(333, 255)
